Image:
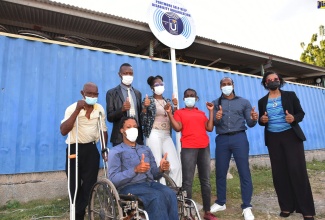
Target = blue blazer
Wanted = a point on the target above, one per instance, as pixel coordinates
(291, 103)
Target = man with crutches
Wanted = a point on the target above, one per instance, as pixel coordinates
(81, 121)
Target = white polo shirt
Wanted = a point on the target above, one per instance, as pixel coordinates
(87, 128)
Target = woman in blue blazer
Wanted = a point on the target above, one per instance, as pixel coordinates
(280, 112)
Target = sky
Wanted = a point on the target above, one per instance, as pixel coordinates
(276, 27)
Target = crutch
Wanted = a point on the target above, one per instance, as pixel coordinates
(102, 142)
(73, 156)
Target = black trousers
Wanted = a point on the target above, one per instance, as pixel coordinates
(289, 172)
(88, 166)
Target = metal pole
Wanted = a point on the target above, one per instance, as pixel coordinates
(175, 92)
(102, 142)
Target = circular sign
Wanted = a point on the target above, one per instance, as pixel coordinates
(171, 23)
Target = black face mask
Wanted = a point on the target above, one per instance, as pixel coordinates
(273, 85)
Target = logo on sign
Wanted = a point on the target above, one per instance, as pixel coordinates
(172, 23)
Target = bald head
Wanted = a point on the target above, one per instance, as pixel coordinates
(90, 89)
(91, 85)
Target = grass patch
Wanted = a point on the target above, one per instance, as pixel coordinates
(261, 177)
(38, 209)
(316, 165)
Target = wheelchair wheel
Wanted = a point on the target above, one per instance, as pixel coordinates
(103, 202)
(169, 181)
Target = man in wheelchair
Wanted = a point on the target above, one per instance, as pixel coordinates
(133, 170)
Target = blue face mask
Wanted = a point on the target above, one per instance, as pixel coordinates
(91, 100)
(189, 102)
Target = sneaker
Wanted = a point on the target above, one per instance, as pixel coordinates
(209, 216)
(247, 213)
(216, 208)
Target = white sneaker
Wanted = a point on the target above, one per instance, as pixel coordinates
(216, 208)
(248, 215)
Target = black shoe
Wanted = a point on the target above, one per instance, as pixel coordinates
(308, 218)
(284, 214)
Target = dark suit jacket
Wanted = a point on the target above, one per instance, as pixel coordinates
(291, 103)
(114, 103)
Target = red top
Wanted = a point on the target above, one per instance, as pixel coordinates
(193, 130)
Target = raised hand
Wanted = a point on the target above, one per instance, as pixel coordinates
(289, 117)
(164, 164)
(126, 105)
(219, 113)
(264, 118)
(146, 101)
(209, 106)
(142, 167)
(254, 115)
(80, 105)
(168, 107)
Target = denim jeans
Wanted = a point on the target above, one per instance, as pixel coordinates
(160, 202)
(236, 145)
(191, 157)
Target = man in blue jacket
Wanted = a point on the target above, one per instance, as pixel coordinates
(133, 170)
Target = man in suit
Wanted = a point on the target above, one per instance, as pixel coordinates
(123, 100)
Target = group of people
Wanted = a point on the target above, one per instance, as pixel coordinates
(137, 169)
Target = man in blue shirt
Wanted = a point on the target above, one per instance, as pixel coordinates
(133, 170)
(231, 114)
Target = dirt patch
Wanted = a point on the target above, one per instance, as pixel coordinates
(266, 202)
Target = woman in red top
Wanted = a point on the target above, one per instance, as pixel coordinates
(195, 146)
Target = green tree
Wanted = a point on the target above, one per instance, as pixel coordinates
(314, 54)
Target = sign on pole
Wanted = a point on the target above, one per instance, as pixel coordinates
(173, 25)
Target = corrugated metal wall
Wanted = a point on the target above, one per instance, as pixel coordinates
(39, 80)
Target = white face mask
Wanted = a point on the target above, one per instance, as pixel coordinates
(227, 90)
(127, 80)
(158, 90)
(131, 134)
(190, 101)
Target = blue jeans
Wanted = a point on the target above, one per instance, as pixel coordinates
(191, 157)
(159, 201)
(236, 145)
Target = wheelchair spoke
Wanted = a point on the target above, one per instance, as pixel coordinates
(102, 203)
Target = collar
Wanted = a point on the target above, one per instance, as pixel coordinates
(235, 97)
(128, 146)
(125, 87)
(187, 109)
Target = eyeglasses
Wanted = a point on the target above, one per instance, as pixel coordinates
(272, 80)
(158, 84)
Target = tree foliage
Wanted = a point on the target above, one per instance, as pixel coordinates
(314, 54)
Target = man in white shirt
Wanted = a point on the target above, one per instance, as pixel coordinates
(86, 111)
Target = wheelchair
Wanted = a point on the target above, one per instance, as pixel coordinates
(105, 203)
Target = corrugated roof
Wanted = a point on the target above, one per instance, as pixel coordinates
(59, 19)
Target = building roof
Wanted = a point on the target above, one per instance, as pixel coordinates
(72, 24)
